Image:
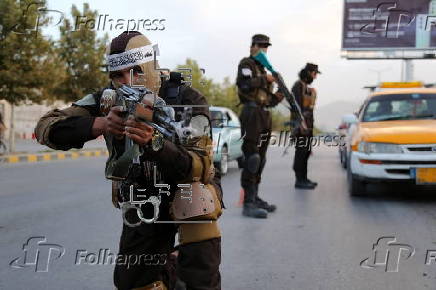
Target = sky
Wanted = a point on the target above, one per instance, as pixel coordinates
(217, 34)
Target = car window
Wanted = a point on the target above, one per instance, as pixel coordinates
(400, 107)
(235, 119)
(217, 119)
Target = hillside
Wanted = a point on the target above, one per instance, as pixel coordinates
(328, 117)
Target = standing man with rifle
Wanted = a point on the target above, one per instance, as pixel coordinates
(255, 93)
(147, 167)
(305, 97)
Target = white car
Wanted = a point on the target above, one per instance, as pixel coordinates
(227, 141)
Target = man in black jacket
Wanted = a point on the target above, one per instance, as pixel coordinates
(305, 97)
(255, 93)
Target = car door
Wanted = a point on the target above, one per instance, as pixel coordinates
(235, 141)
(219, 130)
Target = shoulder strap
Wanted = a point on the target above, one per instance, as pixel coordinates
(182, 89)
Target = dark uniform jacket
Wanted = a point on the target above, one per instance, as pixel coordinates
(253, 85)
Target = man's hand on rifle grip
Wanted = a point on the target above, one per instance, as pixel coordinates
(115, 122)
(139, 132)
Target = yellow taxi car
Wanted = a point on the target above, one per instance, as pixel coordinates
(393, 139)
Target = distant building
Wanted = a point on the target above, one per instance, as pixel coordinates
(25, 117)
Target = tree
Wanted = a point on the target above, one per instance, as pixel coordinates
(223, 94)
(279, 120)
(27, 63)
(82, 55)
(217, 94)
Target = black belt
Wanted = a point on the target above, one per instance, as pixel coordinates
(253, 104)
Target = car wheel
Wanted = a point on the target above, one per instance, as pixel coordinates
(356, 187)
(223, 163)
(341, 156)
(344, 159)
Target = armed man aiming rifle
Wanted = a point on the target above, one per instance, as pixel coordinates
(155, 158)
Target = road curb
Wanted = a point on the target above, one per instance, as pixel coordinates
(51, 156)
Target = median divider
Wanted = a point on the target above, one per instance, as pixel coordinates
(51, 156)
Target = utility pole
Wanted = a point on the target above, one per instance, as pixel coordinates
(407, 70)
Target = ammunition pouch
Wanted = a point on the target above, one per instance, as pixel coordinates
(192, 233)
(202, 168)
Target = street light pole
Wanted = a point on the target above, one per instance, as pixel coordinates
(407, 73)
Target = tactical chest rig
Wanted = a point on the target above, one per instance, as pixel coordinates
(308, 103)
(200, 202)
(259, 96)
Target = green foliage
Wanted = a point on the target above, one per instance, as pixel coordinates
(224, 94)
(218, 94)
(28, 67)
(35, 68)
(279, 120)
(82, 55)
(317, 131)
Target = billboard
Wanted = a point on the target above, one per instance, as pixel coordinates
(389, 25)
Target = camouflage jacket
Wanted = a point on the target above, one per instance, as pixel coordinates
(72, 127)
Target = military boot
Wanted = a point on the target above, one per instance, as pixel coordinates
(251, 208)
(303, 184)
(312, 182)
(263, 204)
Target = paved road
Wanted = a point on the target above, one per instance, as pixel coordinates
(32, 146)
(316, 240)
